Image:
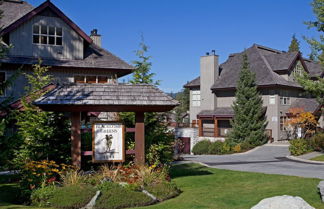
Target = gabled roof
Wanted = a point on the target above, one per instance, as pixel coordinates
(266, 63)
(21, 18)
(194, 83)
(218, 112)
(142, 96)
(307, 104)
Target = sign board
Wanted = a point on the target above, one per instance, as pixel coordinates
(108, 142)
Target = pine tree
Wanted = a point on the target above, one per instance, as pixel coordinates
(249, 122)
(294, 44)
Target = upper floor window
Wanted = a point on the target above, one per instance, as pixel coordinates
(2, 80)
(284, 97)
(47, 35)
(298, 70)
(91, 79)
(196, 98)
(283, 122)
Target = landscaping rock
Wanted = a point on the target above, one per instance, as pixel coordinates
(283, 202)
(320, 187)
(92, 202)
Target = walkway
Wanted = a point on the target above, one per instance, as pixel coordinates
(269, 159)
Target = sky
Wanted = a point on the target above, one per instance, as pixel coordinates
(178, 32)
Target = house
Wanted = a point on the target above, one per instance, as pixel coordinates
(213, 92)
(46, 33)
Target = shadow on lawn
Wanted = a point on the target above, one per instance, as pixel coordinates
(188, 170)
(9, 194)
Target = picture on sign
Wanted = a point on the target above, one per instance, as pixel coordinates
(108, 142)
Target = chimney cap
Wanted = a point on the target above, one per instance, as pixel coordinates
(207, 53)
(94, 32)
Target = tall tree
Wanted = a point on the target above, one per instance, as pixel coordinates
(183, 98)
(294, 44)
(317, 45)
(249, 120)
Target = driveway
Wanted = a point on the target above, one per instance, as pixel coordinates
(269, 159)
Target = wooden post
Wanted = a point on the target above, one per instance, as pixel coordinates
(76, 139)
(200, 128)
(216, 134)
(139, 138)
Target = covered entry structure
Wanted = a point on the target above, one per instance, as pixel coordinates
(77, 98)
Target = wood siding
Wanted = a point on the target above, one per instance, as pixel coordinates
(21, 39)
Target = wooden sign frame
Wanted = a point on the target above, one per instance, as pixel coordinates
(93, 141)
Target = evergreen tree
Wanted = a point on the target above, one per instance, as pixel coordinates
(294, 44)
(249, 120)
(183, 98)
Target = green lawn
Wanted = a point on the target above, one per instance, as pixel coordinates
(222, 189)
(318, 158)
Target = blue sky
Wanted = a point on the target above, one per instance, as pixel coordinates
(180, 31)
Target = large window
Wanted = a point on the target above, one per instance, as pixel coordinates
(298, 70)
(47, 35)
(284, 98)
(90, 79)
(208, 128)
(283, 121)
(2, 80)
(196, 98)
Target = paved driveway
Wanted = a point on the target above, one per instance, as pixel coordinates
(266, 159)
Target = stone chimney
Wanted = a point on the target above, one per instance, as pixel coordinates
(95, 37)
(208, 76)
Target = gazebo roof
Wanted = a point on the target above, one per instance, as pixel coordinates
(106, 97)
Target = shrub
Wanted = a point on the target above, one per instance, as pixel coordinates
(245, 145)
(159, 154)
(74, 196)
(73, 177)
(215, 147)
(115, 196)
(40, 197)
(299, 147)
(163, 191)
(317, 142)
(201, 147)
(226, 148)
(237, 148)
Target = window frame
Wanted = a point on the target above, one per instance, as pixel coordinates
(195, 102)
(282, 121)
(47, 35)
(5, 90)
(298, 69)
(85, 78)
(284, 98)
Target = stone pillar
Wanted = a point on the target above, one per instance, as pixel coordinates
(139, 138)
(76, 138)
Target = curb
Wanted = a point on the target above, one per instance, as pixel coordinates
(304, 160)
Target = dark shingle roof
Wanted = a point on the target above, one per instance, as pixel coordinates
(315, 69)
(12, 11)
(107, 94)
(309, 105)
(281, 61)
(258, 63)
(194, 83)
(219, 111)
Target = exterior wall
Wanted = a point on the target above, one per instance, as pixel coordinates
(208, 76)
(22, 41)
(192, 109)
(60, 76)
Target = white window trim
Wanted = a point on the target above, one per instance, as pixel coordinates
(85, 77)
(195, 102)
(47, 35)
(284, 98)
(5, 91)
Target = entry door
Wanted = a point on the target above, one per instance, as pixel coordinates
(186, 147)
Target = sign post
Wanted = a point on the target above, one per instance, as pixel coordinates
(108, 142)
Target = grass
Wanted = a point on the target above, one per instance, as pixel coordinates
(223, 189)
(318, 158)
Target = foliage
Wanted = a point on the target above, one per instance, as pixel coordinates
(183, 98)
(237, 148)
(216, 147)
(294, 44)
(115, 196)
(301, 119)
(315, 88)
(45, 135)
(73, 177)
(249, 120)
(317, 142)
(73, 196)
(299, 146)
(159, 154)
(201, 147)
(163, 191)
(40, 196)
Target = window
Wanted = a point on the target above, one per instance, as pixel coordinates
(283, 121)
(196, 98)
(2, 80)
(90, 79)
(47, 35)
(272, 99)
(208, 128)
(284, 98)
(298, 70)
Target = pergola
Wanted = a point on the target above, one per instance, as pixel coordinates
(77, 98)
